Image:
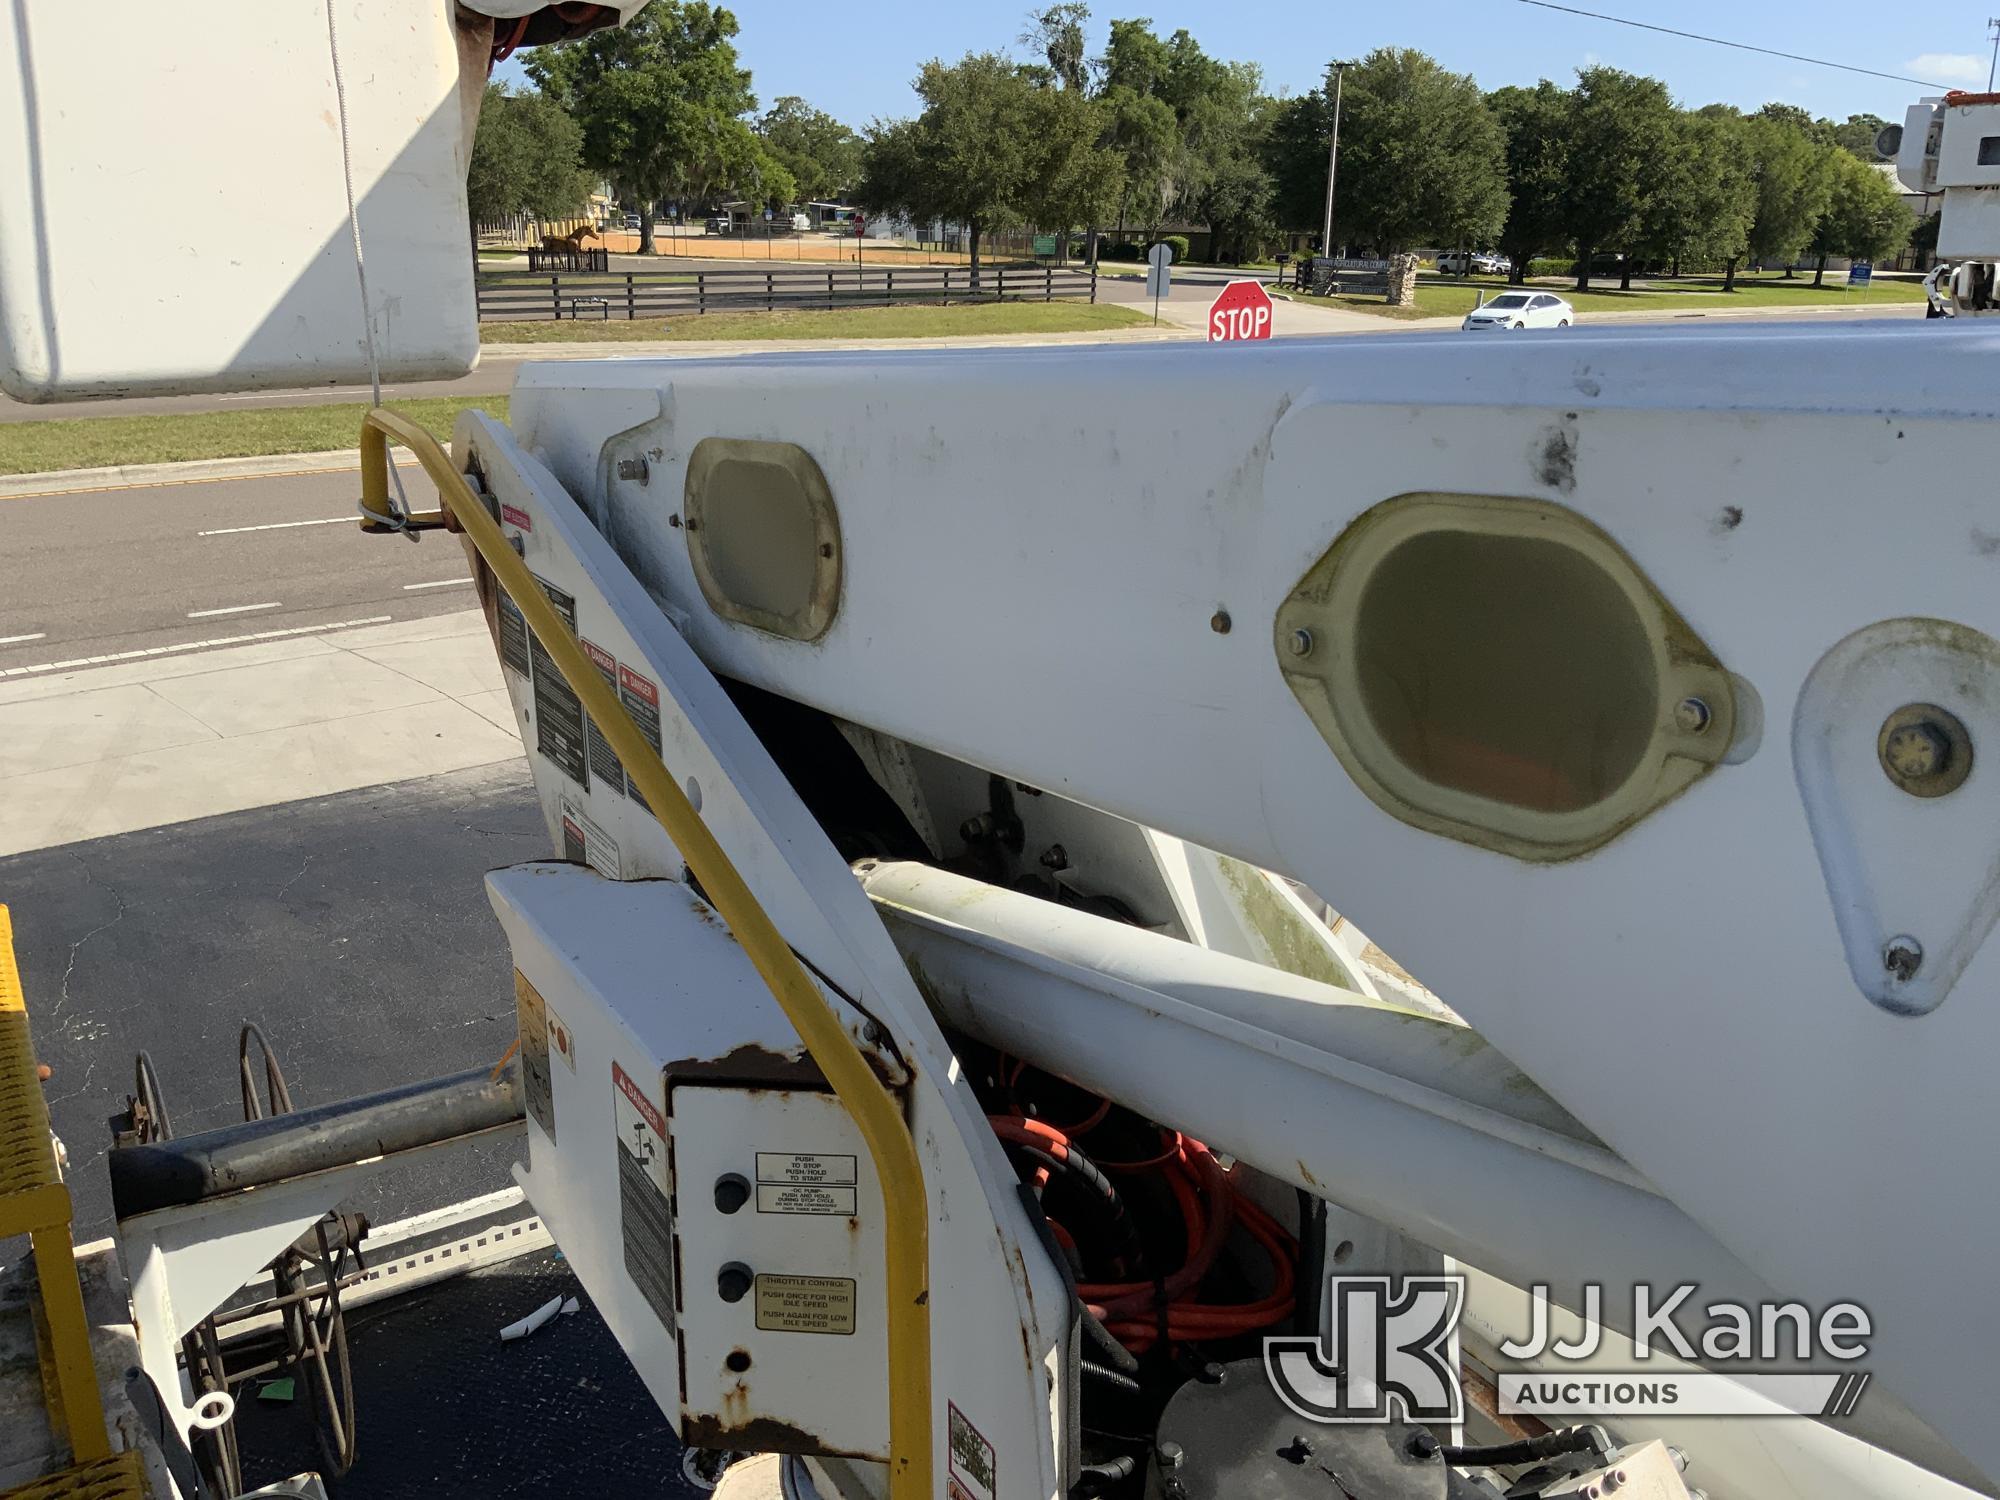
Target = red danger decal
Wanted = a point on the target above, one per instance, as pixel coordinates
(638, 686)
(640, 1102)
(513, 515)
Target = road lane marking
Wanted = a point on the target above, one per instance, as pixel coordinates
(353, 520)
(439, 583)
(233, 609)
(226, 640)
(15, 640)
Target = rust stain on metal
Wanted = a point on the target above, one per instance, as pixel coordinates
(757, 1435)
(1481, 1392)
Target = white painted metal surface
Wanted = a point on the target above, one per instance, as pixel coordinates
(1000, 1316)
(1782, 488)
(1731, 1458)
(173, 214)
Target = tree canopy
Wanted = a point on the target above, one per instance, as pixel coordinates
(966, 158)
(661, 102)
(822, 154)
(1864, 219)
(1155, 131)
(527, 157)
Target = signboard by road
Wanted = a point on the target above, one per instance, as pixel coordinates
(1242, 311)
(1159, 280)
(1860, 274)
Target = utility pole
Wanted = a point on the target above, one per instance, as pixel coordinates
(1332, 163)
(1994, 22)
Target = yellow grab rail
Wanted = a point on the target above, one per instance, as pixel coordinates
(905, 1205)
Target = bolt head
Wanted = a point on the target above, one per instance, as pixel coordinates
(1421, 1446)
(1301, 643)
(1917, 751)
(1219, 622)
(1170, 1455)
(1692, 716)
(1902, 957)
(1924, 750)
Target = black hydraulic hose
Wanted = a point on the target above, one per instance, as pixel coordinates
(1098, 1478)
(1312, 1265)
(1121, 1358)
(1109, 1378)
(1593, 1440)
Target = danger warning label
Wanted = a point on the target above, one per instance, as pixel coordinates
(641, 697)
(603, 759)
(644, 1220)
(805, 1304)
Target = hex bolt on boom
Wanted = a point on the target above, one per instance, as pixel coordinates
(1925, 750)
(1902, 957)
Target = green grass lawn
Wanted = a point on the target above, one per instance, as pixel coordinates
(1691, 295)
(97, 442)
(907, 322)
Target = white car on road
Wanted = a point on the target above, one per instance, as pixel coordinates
(1520, 310)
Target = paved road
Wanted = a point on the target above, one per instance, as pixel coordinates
(353, 929)
(151, 569)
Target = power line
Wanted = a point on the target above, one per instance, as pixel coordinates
(1695, 36)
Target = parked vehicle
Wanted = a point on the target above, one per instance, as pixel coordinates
(632, 221)
(720, 224)
(1473, 263)
(1520, 310)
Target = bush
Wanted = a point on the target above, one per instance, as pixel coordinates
(1552, 265)
(1125, 250)
(1176, 243)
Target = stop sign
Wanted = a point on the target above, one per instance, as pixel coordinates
(1243, 311)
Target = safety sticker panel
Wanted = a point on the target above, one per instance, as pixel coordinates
(559, 731)
(645, 1221)
(805, 1304)
(532, 1015)
(604, 765)
(641, 697)
(971, 1473)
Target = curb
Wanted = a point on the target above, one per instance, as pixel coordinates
(710, 348)
(194, 471)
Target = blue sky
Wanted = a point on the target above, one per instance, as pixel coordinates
(856, 58)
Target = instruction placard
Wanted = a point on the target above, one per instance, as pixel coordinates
(586, 843)
(815, 1167)
(803, 1198)
(805, 1304)
(531, 1014)
(603, 759)
(641, 697)
(513, 636)
(559, 731)
(644, 1219)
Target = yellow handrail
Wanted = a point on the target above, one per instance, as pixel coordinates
(905, 1205)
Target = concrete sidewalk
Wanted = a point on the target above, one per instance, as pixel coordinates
(105, 750)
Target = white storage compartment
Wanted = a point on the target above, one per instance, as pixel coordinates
(173, 215)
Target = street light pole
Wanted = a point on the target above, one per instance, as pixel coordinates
(1994, 22)
(1332, 163)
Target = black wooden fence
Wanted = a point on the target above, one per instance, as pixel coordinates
(519, 295)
